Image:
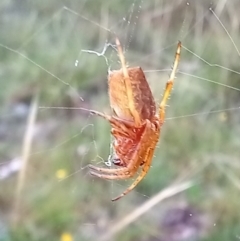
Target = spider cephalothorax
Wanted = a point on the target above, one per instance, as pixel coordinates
(135, 124)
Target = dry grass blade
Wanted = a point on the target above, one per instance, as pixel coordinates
(130, 218)
(27, 142)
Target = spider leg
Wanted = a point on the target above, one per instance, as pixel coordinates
(116, 121)
(127, 174)
(143, 173)
(127, 123)
(105, 116)
(121, 172)
(119, 133)
(128, 85)
(115, 171)
(125, 133)
(123, 127)
(131, 158)
(132, 165)
(169, 85)
(147, 154)
(122, 130)
(139, 156)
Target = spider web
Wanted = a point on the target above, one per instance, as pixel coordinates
(63, 55)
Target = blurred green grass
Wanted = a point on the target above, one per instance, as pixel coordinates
(68, 140)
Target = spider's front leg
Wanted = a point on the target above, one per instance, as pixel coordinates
(122, 175)
(127, 162)
(169, 85)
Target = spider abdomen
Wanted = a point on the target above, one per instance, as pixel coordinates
(143, 100)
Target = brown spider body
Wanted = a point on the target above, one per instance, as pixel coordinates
(135, 124)
(125, 146)
(141, 94)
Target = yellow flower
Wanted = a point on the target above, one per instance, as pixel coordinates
(66, 237)
(61, 174)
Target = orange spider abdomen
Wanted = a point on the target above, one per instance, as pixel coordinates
(143, 100)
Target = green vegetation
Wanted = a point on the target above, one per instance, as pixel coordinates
(40, 43)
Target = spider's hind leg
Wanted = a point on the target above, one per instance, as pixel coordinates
(169, 84)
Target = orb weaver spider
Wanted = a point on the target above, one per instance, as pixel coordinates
(135, 124)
